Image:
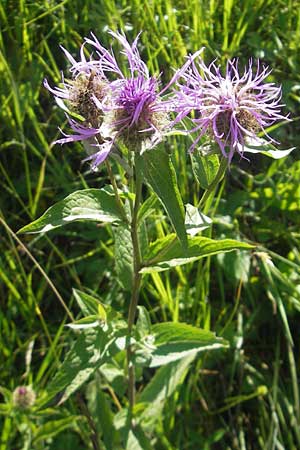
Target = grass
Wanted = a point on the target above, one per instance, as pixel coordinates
(244, 398)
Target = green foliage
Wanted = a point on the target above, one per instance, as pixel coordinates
(159, 172)
(89, 204)
(123, 256)
(84, 358)
(166, 253)
(205, 168)
(175, 341)
(212, 399)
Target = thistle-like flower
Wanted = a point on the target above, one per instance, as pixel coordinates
(229, 109)
(81, 96)
(23, 397)
(136, 112)
(114, 106)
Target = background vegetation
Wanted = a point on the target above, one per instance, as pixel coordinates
(246, 397)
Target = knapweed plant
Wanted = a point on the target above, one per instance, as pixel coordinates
(123, 118)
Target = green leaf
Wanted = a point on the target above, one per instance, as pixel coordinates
(195, 221)
(89, 305)
(159, 173)
(264, 147)
(91, 349)
(162, 385)
(236, 265)
(133, 439)
(166, 253)
(89, 204)
(143, 323)
(205, 168)
(101, 410)
(85, 322)
(124, 256)
(147, 208)
(167, 332)
(54, 427)
(175, 341)
(137, 440)
(4, 409)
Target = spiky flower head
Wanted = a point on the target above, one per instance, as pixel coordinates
(229, 108)
(116, 105)
(80, 95)
(23, 397)
(136, 111)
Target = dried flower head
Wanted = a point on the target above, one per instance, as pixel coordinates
(229, 108)
(81, 96)
(24, 397)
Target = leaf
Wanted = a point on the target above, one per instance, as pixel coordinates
(175, 341)
(205, 168)
(4, 409)
(137, 440)
(259, 145)
(195, 221)
(143, 323)
(87, 354)
(162, 385)
(89, 204)
(89, 305)
(101, 410)
(167, 332)
(166, 253)
(147, 207)
(124, 256)
(236, 265)
(133, 438)
(54, 427)
(160, 174)
(85, 322)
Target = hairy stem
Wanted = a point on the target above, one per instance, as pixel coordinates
(136, 279)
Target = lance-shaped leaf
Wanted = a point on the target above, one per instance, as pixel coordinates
(159, 173)
(164, 383)
(259, 145)
(93, 348)
(174, 341)
(167, 252)
(205, 168)
(124, 256)
(89, 204)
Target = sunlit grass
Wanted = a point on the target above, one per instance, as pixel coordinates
(252, 303)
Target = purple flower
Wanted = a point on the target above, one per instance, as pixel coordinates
(23, 397)
(114, 105)
(137, 113)
(229, 109)
(81, 97)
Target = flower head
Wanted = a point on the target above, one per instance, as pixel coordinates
(24, 397)
(81, 96)
(137, 113)
(229, 108)
(115, 105)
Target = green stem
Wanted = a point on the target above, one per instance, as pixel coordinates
(136, 280)
(211, 188)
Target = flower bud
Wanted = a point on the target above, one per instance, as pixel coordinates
(24, 397)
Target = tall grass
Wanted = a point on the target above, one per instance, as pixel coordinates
(244, 398)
